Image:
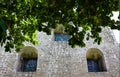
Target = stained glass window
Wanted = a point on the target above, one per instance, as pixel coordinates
(93, 66)
(61, 37)
(29, 65)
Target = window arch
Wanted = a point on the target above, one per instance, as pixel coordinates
(95, 60)
(60, 34)
(28, 59)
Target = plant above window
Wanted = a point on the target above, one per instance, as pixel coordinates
(29, 52)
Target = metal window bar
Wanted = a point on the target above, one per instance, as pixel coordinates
(28, 65)
(93, 66)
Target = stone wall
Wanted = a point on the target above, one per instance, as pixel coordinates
(58, 59)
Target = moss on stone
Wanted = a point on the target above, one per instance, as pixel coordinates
(29, 52)
(93, 54)
(59, 29)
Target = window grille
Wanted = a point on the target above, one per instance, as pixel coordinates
(29, 65)
(93, 66)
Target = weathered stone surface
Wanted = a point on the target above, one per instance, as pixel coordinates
(58, 59)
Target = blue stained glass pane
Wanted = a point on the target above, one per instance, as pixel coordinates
(93, 66)
(61, 37)
(30, 65)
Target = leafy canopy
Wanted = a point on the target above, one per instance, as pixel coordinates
(22, 18)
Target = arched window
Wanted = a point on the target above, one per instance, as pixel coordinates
(60, 34)
(28, 59)
(95, 60)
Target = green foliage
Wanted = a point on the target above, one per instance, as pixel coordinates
(24, 17)
(3, 28)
